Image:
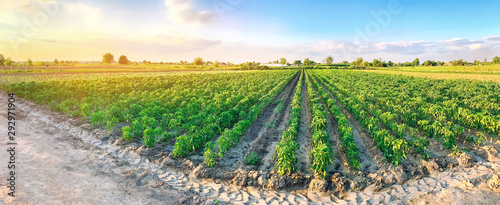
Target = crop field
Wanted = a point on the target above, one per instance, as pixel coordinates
(319, 130)
(482, 76)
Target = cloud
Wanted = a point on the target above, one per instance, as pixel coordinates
(182, 11)
(450, 49)
(185, 43)
(13, 12)
(90, 15)
(492, 38)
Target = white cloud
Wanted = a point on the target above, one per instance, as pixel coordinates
(492, 38)
(13, 12)
(184, 43)
(90, 15)
(182, 11)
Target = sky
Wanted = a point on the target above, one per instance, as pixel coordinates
(250, 30)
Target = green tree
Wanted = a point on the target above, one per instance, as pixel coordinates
(38, 63)
(328, 60)
(459, 62)
(365, 64)
(198, 61)
(282, 61)
(8, 62)
(390, 64)
(376, 63)
(415, 62)
(496, 60)
(358, 61)
(108, 58)
(297, 62)
(56, 62)
(29, 62)
(307, 62)
(216, 63)
(2, 59)
(123, 60)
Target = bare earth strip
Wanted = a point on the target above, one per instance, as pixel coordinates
(482, 77)
(265, 125)
(305, 135)
(62, 163)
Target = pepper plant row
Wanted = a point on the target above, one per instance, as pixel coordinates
(230, 137)
(395, 149)
(285, 155)
(321, 153)
(346, 136)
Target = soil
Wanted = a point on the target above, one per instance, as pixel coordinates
(304, 136)
(63, 160)
(263, 135)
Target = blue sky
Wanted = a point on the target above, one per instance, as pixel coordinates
(250, 30)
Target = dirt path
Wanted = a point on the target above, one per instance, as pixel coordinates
(339, 159)
(304, 136)
(263, 135)
(270, 141)
(56, 166)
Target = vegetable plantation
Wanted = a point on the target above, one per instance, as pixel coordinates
(207, 115)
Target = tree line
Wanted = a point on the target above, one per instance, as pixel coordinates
(327, 62)
(360, 62)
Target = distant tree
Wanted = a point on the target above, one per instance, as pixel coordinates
(123, 60)
(2, 59)
(415, 62)
(29, 62)
(364, 64)
(376, 63)
(276, 62)
(56, 62)
(390, 64)
(8, 62)
(328, 60)
(216, 63)
(38, 63)
(345, 62)
(297, 62)
(198, 61)
(459, 62)
(108, 58)
(282, 61)
(307, 62)
(496, 60)
(427, 63)
(358, 61)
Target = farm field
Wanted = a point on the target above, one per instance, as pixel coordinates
(482, 76)
(297, 136)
